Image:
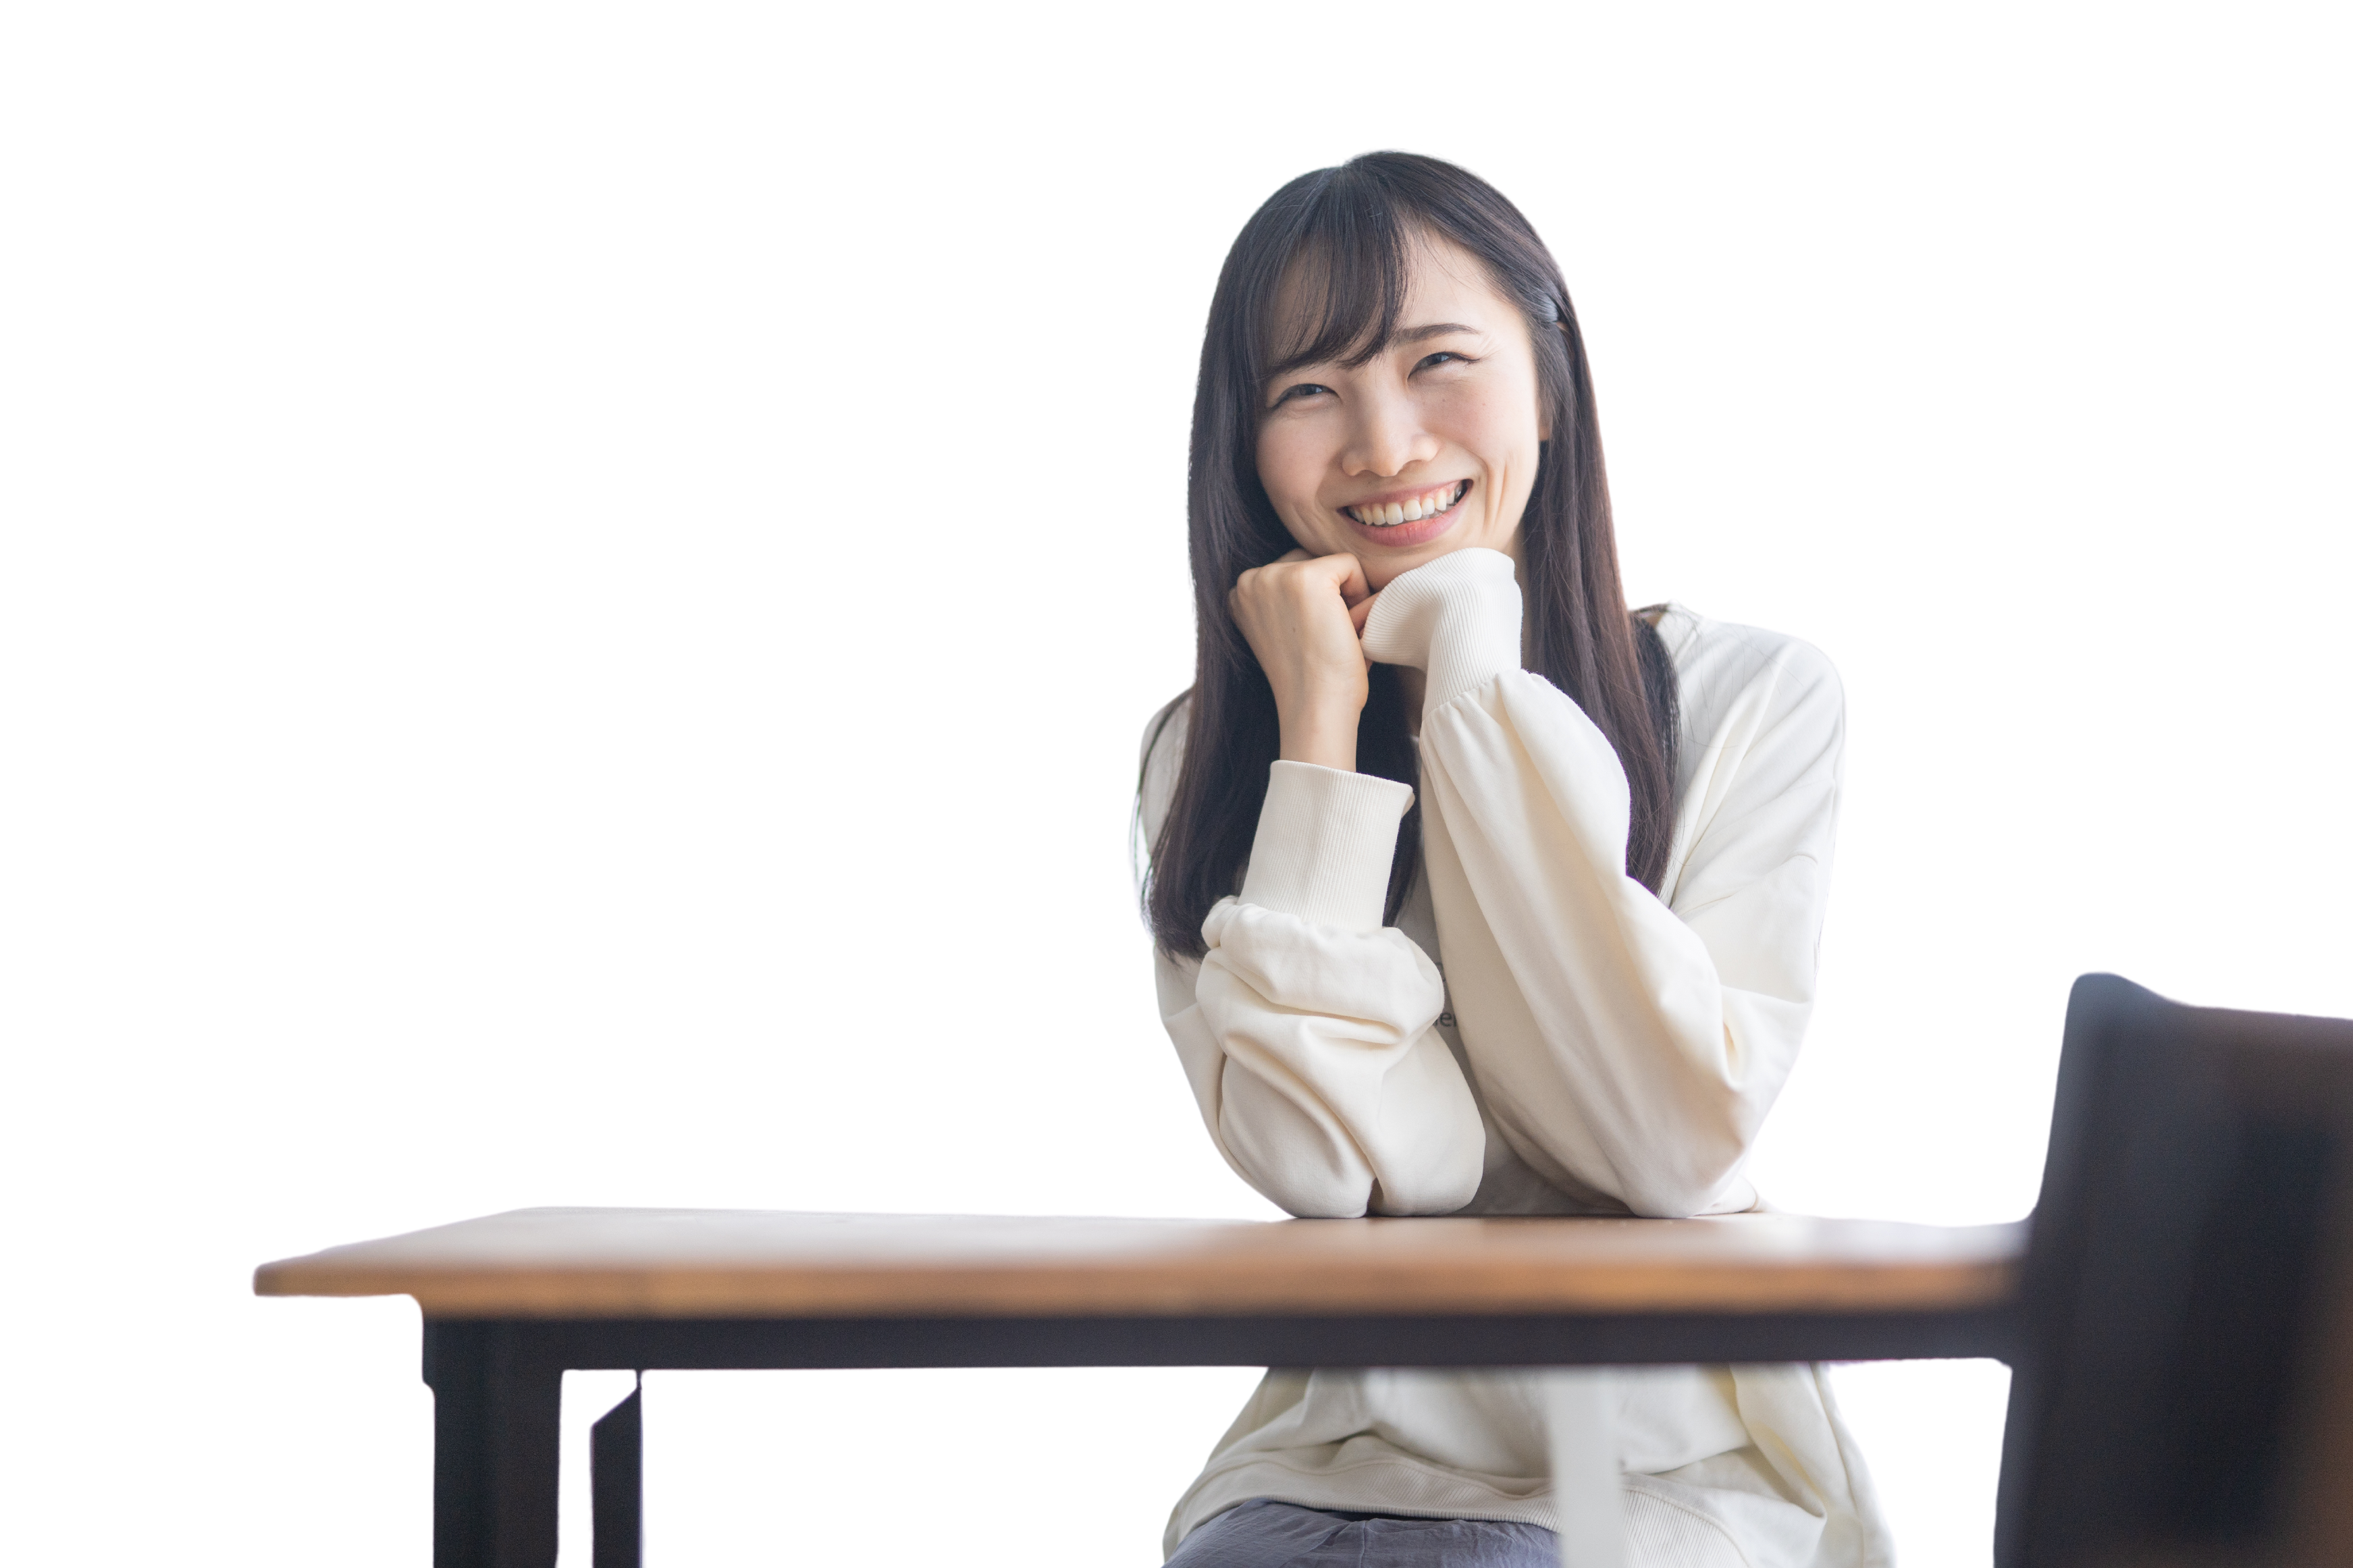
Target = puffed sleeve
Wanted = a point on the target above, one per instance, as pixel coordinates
(1306, 1030)
(1620, 1045)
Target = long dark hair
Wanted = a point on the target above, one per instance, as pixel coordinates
(1355, 225)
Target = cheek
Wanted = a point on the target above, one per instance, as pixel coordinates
(1511, 437)
(1288, 469)
(1500, 430)
(1499, 425)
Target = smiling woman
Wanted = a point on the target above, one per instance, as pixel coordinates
(1379, 331)
(1474, 892)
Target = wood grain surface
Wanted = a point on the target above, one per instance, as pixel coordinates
(679, 1263)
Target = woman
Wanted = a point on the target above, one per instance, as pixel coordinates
(1473, 892)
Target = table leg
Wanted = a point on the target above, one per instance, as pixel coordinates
(497, 1410)
(616, 1484)
(1588, 1498)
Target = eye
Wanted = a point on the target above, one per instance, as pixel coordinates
(1304, 389)
(1444, 356)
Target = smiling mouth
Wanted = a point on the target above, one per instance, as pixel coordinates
(1413, 508)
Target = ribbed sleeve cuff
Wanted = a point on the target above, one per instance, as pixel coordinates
(1457, 619)
(1324, 842)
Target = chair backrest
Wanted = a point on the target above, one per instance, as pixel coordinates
(2182, 1388)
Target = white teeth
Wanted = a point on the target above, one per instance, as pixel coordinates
(1428, 504)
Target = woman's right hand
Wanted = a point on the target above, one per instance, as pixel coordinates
(1304, 616)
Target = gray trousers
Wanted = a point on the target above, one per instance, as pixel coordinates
(1264, 1533)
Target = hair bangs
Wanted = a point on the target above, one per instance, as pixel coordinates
(1340, 283)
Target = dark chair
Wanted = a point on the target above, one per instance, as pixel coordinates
(2182, 1381)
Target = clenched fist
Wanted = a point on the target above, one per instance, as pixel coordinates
(1304, 616)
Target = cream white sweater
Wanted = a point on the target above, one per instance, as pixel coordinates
(1539, 1034)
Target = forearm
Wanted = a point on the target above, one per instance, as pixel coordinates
(1617, 1043)
(1621, 1041)
(1307, 1031)
(1321, 729)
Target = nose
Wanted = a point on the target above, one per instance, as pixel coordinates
(1387, 438)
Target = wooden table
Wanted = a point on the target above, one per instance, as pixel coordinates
(513, 1300)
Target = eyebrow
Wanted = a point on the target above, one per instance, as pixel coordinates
(1405, 335)
(1436, 330)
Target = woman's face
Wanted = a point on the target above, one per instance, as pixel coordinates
(1428, 447)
